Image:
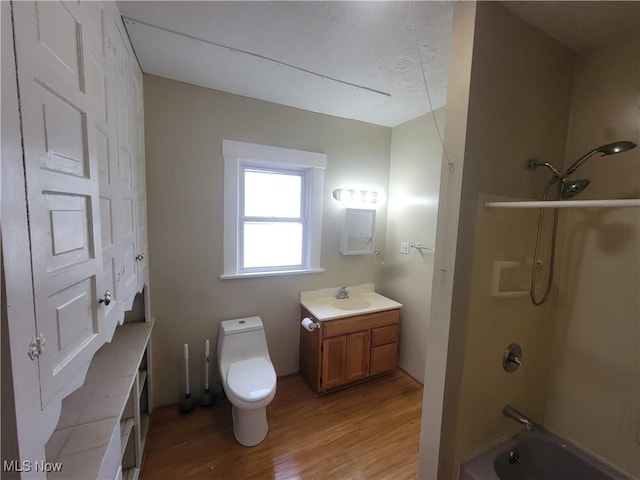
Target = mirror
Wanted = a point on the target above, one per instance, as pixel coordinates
(357, 231)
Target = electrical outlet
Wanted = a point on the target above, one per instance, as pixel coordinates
(404, 247)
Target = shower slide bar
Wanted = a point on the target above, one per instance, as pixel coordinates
(633, 202)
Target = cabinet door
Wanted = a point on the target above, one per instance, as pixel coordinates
(345, 359)
(384, 358)
(106, 148)
(357, 356)
(62, 103)
(334, 352)
(126, 160)
(140, 186)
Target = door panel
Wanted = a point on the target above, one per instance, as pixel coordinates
(61, 170)
(58, 33)
(70, 230)
(127, 168)
(333, 361)
(104, 89)
(357, 356)
(63, 134)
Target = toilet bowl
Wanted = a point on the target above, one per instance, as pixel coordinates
(247, 375)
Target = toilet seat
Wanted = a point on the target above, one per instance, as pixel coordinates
(252, 379)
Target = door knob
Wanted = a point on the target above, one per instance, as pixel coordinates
(140, 257)
(106, 299)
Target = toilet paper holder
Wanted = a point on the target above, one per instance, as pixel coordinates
(309, 324)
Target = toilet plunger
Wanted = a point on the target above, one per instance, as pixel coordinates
(186, 405)
(207, 397)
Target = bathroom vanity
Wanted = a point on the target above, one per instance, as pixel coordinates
(352, 339)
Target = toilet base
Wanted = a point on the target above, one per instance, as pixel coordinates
(250, 427)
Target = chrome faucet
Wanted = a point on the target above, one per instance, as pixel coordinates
(342, 293)
(509, 411)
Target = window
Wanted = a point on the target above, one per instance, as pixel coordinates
(272, 211)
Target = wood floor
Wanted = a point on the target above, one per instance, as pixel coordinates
(368, 431)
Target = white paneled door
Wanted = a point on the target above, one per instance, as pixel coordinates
(126, 168)
(63, 101)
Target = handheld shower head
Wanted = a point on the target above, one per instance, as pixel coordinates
(608, 149)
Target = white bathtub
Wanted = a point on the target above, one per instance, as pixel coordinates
(540, 456)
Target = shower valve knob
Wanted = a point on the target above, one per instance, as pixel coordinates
(512, 358)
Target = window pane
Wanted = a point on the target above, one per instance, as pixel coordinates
(269, 194)
(272, 244)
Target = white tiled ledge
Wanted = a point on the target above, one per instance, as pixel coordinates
(91, 414)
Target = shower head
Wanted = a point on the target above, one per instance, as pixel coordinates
(570, 188)
(608, 149)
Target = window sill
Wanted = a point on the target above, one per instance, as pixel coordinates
(230, 276)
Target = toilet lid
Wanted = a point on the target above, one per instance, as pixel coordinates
(251, 379)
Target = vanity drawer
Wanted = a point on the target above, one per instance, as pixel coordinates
(384, 335)
(343, 326)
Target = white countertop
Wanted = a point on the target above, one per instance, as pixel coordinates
(323, 305)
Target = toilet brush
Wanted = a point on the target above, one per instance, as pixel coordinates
(186, 405)
(207, 397)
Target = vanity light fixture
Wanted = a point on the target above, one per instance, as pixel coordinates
(355, 196)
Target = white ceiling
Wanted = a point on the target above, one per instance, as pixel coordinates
(352, 59)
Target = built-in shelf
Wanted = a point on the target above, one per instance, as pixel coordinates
(95, 419)
(142, 378)
(632, 202)
(126, 427)
(144, 429)
(131, 473)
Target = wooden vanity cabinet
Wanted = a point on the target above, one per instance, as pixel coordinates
(348, 350)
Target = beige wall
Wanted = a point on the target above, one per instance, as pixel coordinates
(518, 108)
(414, 183)
(185, 126)
(594, 383)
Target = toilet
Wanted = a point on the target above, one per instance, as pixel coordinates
(247, 375)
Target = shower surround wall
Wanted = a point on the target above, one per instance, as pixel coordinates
(519, 96)
(594, 385)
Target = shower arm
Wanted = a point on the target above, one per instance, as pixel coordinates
(557, 176)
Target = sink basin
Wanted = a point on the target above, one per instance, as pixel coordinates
(351, 304)
(323, 305)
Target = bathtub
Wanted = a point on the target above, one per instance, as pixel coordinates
(540, 456)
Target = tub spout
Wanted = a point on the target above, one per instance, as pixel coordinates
(509, 411)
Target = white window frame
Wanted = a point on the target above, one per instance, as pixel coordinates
(237, 155)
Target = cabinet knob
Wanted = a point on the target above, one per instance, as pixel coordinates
(106, 299)
(140, 257)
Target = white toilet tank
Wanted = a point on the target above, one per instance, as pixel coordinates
(240, 339)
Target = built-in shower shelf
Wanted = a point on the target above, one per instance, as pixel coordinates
(633, 202)
(512, 290)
